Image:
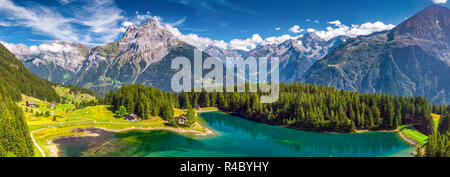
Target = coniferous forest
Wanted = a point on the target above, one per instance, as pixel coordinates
(143, 101)
(439, 142)
(300, 106)
(15, 139)
(321, 108)
(18, 80)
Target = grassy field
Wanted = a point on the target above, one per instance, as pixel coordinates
(436, 119)
(73, 97)
(209, 108)
(411, 132)
(65, 118)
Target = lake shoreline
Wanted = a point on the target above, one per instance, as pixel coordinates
(399, 133)
(238, 137)
(54, 149)
(408, 139)
(304, 129)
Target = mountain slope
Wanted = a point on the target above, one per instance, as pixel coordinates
(17, 79)
(55, 61)
(410, 60)
(143, 55)
(15, 140)
(296, 55)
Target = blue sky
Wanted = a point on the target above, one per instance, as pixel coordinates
(234, 24)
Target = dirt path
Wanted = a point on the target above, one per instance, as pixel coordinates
(408, 139)
(209, 110)
(53, 148)
(176, 130)
(36, 144)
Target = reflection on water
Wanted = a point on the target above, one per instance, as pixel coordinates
(240, 137)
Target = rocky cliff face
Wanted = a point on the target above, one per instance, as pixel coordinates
(224, 53)
(55, 61)
(410, 60)
(142, 56)
(295, 55)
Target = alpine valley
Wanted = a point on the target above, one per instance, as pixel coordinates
(413, 59)
(366, 96)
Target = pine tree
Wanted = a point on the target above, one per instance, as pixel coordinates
(122, 112)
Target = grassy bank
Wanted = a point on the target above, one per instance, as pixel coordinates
(412, 133)
(65, 118)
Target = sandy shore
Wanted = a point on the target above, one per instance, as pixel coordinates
(366, 131)
(93, 132)
(408, 139)
(176, 130)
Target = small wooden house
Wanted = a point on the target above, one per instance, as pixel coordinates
(31, 104)
(52, 105)
(181, 120)
(132, 117)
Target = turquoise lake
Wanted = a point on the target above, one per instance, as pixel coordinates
(242, 138)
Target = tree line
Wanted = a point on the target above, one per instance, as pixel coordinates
(143, 101)
(17, 80)
(300, 106)
(15, 140)
(439, 142)
(320, 108)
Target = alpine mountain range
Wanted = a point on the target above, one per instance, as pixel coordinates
(412, 59)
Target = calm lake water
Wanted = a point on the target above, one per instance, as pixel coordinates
(242, 138)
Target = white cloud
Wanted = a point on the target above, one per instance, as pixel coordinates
(194, 39)
(256, 40)
(336, 23)
(241, 44)
(103, 22)
(440, 1)
(316, 21)
(40, 19)
(296, 29)
(54, 46)
(179, 22)
(100, 17)
(127, 23)
(353, 30)
(5, 24)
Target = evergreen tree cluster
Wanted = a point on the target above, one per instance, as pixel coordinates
(143, 101)
(77, 89)
(320, 108)
(15, 140)
(440, 109)
(439, 142)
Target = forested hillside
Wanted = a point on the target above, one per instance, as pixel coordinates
(77, 89)
(439, 142)
(15, 139)
(322, 108)
(300, 106)
(17, 79)
(141, 100)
